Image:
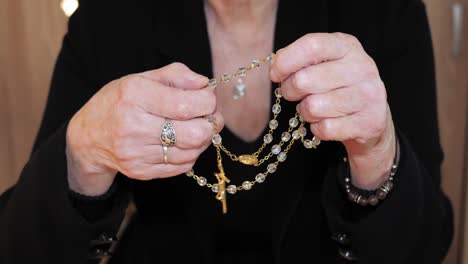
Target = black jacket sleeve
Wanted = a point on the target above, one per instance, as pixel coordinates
(37, 217)
(414, 223)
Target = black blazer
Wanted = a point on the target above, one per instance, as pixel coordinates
(312, 219)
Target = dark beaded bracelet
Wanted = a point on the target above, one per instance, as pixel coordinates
(364, 197)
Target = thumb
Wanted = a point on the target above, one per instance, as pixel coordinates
(177, 75)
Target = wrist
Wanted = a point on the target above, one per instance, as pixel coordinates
(370, 169)
(87, 174)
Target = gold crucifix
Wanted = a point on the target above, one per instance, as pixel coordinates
(222, 180)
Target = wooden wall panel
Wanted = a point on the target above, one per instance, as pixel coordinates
(32, 33)
(452, 81)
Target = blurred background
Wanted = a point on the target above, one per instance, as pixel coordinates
(31, 32)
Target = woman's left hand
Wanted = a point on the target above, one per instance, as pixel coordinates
(342, 96)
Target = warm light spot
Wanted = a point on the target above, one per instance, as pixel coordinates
(69, 6)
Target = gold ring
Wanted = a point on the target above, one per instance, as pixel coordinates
(165, 154)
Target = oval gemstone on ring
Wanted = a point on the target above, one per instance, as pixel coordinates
(168, 134)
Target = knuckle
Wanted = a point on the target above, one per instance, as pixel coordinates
(183, 109)
(314, 105)
(196, 135)
(324, 129)
(122, 152)
(176, 66)
(127, 86)
(300, 80)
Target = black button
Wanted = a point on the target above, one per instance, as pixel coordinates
(347, 254)
(341, 238)
(103, 239)
(99, 254)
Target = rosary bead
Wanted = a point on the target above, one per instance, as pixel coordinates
(217, 139)
(271, 167)
(282, 156)
(268, 138)
(296, 135)
(276, 149)
(226, 77)
(255, 64)
(273, 124)
(246, 185)
(201, 181)
(308, 144)
(278, 93)
(189, 173)
(215, 188)
(286, 136)
(241, 72)
(302, 131)
(232, 189)
(260, 178)
(213, 83)
(276, 109)
(270, 57)
(316, 141)
(293, 122)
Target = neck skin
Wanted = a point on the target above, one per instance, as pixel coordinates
(234, 17)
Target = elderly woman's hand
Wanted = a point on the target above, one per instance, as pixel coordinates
(343, 98)
(118, 129)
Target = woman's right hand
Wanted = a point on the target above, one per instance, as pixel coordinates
(118, 129)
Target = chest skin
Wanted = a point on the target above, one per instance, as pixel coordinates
(247, 116)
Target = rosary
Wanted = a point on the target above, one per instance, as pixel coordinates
(295, 132)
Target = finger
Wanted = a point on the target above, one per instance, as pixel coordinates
(144, 171)
(154, 154)
(177, 75)
(309, 50)
(337, 103)
(191, 134)
(161, 100)
(327, 76)
(358, 126)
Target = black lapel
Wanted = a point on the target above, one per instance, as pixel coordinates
(294, 20)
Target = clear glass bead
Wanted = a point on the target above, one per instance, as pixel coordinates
(276, 109)
(210, 118)
(201, 181)
(226, 77)
(190, 173)
(213, 83)
(268, 138)
(282, 157)
(316, 141)
(246, 185)
(302, 131)
(260, 178)
(301, 119)
(255, 64)
(241, 72)
(293, 122)
(308, 144)
(217, 139)
(215, 188)
(286, 136)
(276, 149)
(232, 189)
(296, 135)
(278, 93)
(270, 57)
(271, 167)
(273, 124)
